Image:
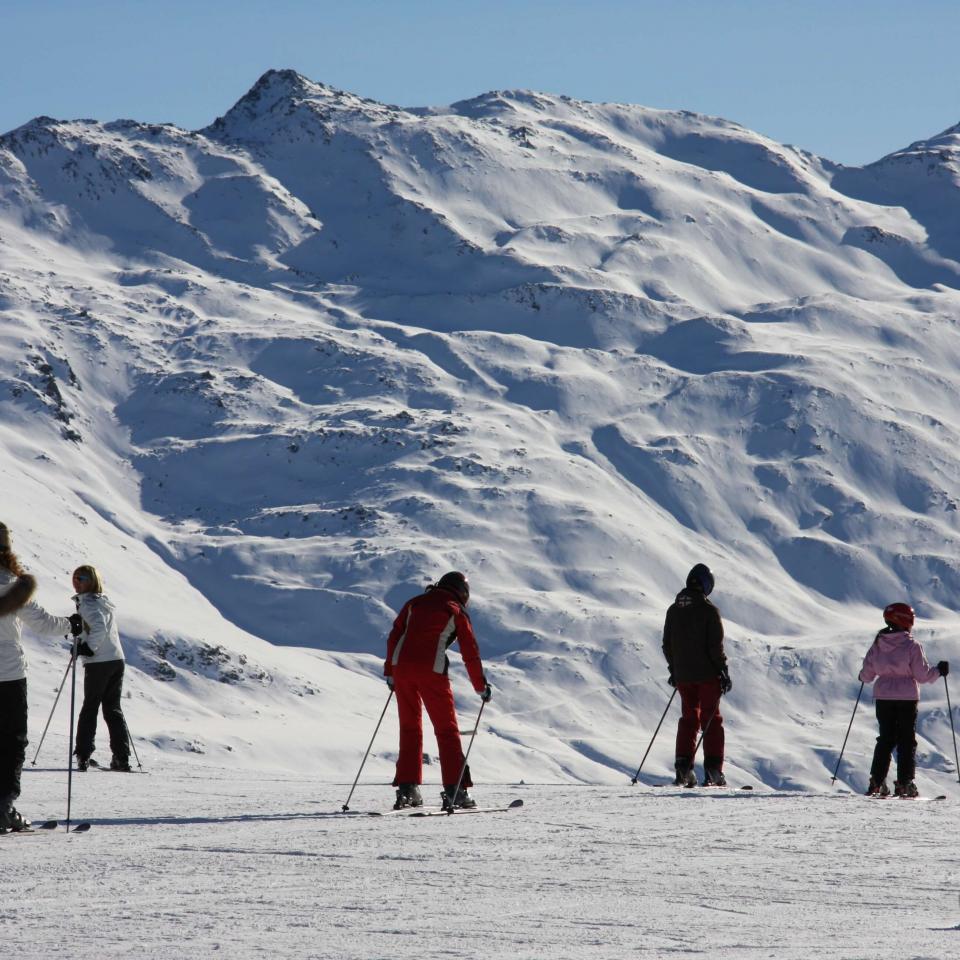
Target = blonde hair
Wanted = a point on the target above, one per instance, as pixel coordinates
(94, 577)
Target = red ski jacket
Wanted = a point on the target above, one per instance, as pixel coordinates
(423, 630)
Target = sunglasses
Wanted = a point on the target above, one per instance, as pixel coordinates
(82, 577)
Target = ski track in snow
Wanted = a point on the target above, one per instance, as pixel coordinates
(199, 862)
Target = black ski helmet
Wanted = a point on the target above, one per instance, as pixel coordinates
(700, 578)
(456, 583)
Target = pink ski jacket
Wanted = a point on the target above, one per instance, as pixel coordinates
(897, 663)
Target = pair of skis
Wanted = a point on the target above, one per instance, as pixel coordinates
(704, 786)
(891, 796)
(433, 812)
(47, 826)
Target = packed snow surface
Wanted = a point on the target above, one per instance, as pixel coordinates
(274, 376)
(198, 862)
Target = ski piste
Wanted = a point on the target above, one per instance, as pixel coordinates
(440, 812)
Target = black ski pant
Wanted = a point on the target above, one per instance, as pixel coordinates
(898, 723)
(13, 739)
(102, 686)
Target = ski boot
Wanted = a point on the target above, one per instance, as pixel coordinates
(12, 821)
(83, 764)
(878, 788)
(713, 772)
(685, 777)
(120, 765)
(454, 799)
(906, 791)
(408, 795)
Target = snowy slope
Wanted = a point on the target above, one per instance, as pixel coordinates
(244, 866)
(275, 375)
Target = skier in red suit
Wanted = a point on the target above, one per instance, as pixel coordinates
(416, 670)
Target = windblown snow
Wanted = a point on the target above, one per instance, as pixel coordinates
(275, 375)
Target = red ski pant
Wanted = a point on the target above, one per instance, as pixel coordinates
(413, 686)
(698, 702)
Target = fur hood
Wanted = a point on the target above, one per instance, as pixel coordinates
(18, 594)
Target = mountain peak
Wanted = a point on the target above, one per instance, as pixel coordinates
(283, 83)
(282, 93)
(943, 148)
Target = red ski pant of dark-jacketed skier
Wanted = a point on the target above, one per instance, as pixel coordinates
(414, 685)
(698, 702)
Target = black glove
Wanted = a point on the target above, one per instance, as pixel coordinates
(81, 647)
(726, 684)
(671, 679)
(76, 624)
(486, 693)
(389, 682)
(943, 667)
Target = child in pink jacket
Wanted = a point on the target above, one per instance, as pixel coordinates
(897, 663)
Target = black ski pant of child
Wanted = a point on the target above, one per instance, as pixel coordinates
(13, 739)
(102, 686)
(897, 720)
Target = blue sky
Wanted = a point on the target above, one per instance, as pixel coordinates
(848, 79)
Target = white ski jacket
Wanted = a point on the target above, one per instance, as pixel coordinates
(100, 630)
(13, 663)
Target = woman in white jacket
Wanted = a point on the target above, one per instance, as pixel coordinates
(103, 667)
(16, 609)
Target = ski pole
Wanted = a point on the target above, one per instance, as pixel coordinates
(703, 732)
(636, 776)
(463, 769)
(952, 729)
(56, 700)
(833, 779)
(346, 805)
(73, 701)
(132, 747)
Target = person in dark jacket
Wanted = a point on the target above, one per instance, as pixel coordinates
(416, 670)
(693, 647)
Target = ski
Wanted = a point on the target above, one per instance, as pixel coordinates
(703, 786)
(33, 828)
(440, 812)
(103, 768)
(889, 796)
(515, 805)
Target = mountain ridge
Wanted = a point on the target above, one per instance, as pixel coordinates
(299, 373)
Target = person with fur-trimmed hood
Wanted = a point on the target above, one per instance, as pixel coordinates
(693, 647)
(416, 670)
(103, 668)
(897, 662)
(16, 609)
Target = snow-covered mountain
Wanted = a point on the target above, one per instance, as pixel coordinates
(274, 375)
